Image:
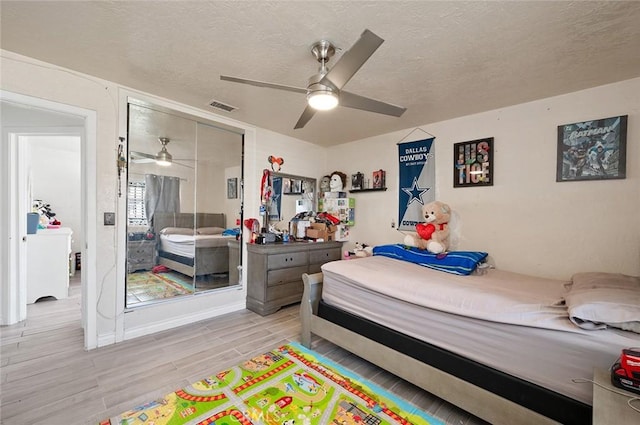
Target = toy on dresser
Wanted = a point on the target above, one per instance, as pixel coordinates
(48, 218)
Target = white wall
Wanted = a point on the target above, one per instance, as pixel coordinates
(527, 221)
(300, 158)
(55, 171)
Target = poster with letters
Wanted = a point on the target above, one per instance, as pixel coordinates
(473, 163)
(417, 171)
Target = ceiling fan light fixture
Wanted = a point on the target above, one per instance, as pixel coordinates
(164, 158)
(322, 100)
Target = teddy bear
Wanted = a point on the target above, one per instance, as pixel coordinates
(433, 234)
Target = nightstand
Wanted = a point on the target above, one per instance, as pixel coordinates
(609, 407)
(141, 255)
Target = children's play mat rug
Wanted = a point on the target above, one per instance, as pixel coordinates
(286, 386)
(144, 286)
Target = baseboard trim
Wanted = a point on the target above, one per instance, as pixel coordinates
(171, 323)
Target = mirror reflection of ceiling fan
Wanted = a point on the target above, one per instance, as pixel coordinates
(163, 158)
(324, 90)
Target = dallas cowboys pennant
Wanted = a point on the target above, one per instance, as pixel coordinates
(417, 165)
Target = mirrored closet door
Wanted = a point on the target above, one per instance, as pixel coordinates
(183, 203)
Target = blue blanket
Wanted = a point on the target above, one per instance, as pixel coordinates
(456, 262)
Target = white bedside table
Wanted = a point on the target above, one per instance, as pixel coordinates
(610, 408)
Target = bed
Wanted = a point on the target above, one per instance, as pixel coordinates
(514, 367)
(192, 244)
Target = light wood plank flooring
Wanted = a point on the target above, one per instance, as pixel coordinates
(47, 377)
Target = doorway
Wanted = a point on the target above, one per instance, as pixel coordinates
(25, 117)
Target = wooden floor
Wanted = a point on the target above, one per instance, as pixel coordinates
(48, 378)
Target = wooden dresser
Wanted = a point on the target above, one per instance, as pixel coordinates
(275, 271)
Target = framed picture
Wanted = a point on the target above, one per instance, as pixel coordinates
(286, 185)
(379, 178)
(592, 150)
(296, 186)
(232, 188)
(473, 163)
(357, 181)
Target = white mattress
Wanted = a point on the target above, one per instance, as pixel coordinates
(185, 245)
(548, 357)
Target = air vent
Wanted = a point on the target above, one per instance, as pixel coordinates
(222, 106)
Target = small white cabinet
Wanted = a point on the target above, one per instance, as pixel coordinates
(48, 264)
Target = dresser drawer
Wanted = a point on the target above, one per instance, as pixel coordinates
(280, 276)
(135, 250)
(292, 259)
(137, 260)
(324, 255)
(289, 291)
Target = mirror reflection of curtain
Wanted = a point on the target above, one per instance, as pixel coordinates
(162, 194)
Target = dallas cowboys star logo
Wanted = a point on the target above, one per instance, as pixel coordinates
(415, 192)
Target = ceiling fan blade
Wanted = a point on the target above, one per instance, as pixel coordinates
(263, 84)
(352, 60)
(307, 114)
(355, 101)
(141, 157)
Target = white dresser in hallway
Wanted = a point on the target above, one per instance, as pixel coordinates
(48, 264)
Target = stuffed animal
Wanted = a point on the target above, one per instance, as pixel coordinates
(433, 235)
(363, 250)
(359, 251)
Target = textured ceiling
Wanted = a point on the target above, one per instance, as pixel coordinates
(440, 60)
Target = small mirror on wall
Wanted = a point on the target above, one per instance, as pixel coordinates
(289, 195)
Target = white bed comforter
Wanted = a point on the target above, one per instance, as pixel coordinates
(497, 296)
(185, 245)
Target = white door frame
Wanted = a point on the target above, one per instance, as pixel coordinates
(13, 302)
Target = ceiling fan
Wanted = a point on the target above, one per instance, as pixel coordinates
(163, 158)
(324, 90)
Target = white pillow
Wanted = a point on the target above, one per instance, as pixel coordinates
(209, 230)
(599, 299)
(177, 231)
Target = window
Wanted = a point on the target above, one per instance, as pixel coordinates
(137, 216)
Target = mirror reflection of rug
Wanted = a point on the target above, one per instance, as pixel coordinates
(287, 385)
(146, 286)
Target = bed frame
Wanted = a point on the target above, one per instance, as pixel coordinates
(207, 260)
(487, 393)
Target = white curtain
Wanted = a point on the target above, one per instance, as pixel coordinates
(162, 194)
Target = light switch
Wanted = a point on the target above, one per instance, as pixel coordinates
(109, 219)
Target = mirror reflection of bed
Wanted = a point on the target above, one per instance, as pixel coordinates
(192, 252)
(181, 221)
(197, 250)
